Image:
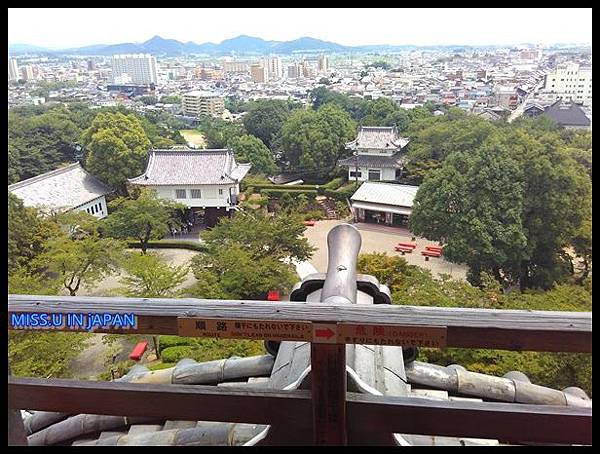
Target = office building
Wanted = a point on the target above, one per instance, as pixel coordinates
(197, 103)
(569, 82)
(136, 69)
(13, 69)
(259, 73)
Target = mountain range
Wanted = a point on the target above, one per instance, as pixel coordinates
(241, 45)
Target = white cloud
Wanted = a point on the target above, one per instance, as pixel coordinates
(61, 28)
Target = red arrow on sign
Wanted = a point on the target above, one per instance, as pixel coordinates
(327, 333)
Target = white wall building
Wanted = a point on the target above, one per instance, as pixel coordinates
(569, 81)
(66, 189)
(13, 70)
(274, 67)
(141, 68)
(207, 179)
(377, 154)
(196, 103)
(259, 73)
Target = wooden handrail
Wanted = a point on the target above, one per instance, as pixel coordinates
(465, 327)
(366, 413)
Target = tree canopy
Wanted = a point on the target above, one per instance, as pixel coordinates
(117, 148)
(264, 118)
(145, 218)
(150, 277)
(314, 140)
(248, 148)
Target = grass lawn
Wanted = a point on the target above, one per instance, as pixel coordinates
(193, 136)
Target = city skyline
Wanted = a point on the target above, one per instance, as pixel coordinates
(82, 27)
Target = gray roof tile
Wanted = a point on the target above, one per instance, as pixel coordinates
(61, 189)
(176, 167)
(378, 137)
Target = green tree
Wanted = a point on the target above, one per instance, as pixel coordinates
(150, 277)
(248, 255)
(40, 143)
(77, 262)
(251, 149)
(148, 100)
(145, 218)
(474, 204)
(27, 233)
(314, 141)
(276, 236)
(117, 148)
(170, 99)
(264, 118)
(219, 133)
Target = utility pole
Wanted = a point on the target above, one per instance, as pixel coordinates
(356, 167)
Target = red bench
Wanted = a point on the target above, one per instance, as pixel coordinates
(403, 249)
(273, 295)
(407, 245)
(434, 248)
(138, 351)
(310, 223)
(428, 253)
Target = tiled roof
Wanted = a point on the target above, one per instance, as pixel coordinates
(386, 193)
(61, 189)
(378, 137)
(567, 114)
(396, 161)
(177, 167)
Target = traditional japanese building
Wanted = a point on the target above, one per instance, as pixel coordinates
(203, 180)
(66, 189)
(383, 203)
(378, 154)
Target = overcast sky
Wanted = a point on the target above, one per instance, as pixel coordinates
(62, 28)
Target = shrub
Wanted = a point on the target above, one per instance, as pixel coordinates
(165, 342)
(334, 184)
(276, 193)
(159, 366)
(177, 353)
(167, 244)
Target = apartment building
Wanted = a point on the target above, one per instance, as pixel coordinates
(569, 82)
(259, 73)
(140, 69)
(13, 69)
(197, 103)
(274, 67)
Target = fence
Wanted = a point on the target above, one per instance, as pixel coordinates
(328, 409)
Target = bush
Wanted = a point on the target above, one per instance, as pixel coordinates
(165, 342)
(276, 193)
(175, 354)
(167, 244)
(159, 366)
(334, 184)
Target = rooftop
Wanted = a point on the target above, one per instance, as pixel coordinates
(386, 193)
(61, 189)
(194, 167)
(378, 137)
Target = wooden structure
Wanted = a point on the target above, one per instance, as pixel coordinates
(329, 409)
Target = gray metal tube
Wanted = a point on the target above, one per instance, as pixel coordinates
(42, 419)
(343, 243)
(213, 372)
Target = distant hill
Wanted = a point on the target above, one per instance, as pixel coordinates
(240, 45)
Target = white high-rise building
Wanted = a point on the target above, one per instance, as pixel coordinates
(13, 69)
(27, 72)
(197, 103)
(569, 81)
(323, 64)
(141, 69)
(274, 67)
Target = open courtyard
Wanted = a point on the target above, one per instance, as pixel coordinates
(376, 238)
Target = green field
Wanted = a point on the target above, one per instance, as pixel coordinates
(193, 136)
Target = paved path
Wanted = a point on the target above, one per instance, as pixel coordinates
(377, 238)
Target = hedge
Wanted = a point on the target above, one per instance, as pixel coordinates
(166, 244)
(166, 341)
(175, 354)
(279, 192)
(259, 187)
(334, 184)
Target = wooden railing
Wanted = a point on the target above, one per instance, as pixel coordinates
(327, 409)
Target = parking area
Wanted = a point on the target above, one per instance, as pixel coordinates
(376, 238)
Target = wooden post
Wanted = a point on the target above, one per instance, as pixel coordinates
(16, 430)
(328, 361)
